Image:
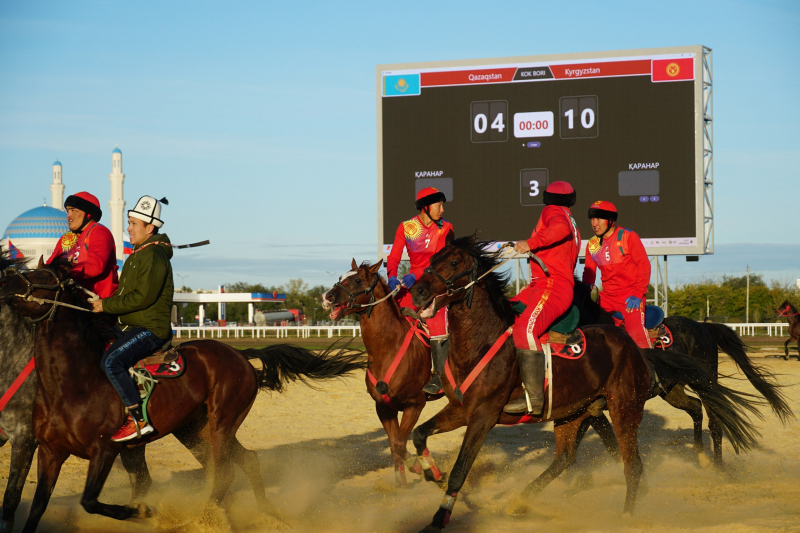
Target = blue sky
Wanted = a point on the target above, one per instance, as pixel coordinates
(257, 119)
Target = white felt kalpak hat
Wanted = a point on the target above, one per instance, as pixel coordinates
(148, 209)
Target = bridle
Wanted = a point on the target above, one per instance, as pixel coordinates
(786, 311)
(59, 287)
(351, 296)
(472, 272)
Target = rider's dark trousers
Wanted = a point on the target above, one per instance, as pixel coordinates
(134, 345)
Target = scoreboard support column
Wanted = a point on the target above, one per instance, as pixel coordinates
(660, 287)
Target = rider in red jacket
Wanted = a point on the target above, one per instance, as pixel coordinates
(88, 246)
(423, 236)
(556, 241)
(624, 268)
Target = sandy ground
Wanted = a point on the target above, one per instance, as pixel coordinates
(326, 462)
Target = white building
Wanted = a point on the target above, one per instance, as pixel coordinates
(35, 232)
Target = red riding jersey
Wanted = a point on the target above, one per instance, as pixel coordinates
(422, 242)
(623, 262)
(94, 258)
(556, 241)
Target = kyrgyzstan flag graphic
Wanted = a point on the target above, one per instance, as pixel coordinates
(673, 69)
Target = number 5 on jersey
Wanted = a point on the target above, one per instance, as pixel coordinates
(489, 121)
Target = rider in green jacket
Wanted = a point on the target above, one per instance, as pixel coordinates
(143, 302)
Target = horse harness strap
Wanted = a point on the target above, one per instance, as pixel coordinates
(351, 296)
(460, 390)
(382, 386)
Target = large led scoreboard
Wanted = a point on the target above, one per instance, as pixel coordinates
(631, 127)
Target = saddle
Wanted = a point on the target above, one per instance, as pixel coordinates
(565, 338)
(167, 363)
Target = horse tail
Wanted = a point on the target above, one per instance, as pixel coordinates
(728, 406)
(285, 363)
(762, 380)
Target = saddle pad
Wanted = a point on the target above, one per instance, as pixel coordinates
(661, 336)
(565, 324)
(166, 369)
(574, 348)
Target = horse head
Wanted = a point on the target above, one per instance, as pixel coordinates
(453, 271)
(786, 309)
(354, 290)
(24, 290)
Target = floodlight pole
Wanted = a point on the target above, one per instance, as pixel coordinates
(747, 305)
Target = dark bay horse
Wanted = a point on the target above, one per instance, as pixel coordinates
(788, 311)
(76, 410)
(702, 341)
(399, 359)
(613, 367)
(18, 383)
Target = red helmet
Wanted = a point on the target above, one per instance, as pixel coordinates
(559, 193)
(428, 196)
(604, 210)
(88, 203)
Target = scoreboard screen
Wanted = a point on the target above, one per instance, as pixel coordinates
(492, 134)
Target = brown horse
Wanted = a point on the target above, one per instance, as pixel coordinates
(399, 360)
(613, 367)
(788, 310)
(76, 410)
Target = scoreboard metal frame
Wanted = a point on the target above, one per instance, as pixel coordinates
(703, 131)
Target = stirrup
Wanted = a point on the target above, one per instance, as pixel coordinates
(434, 382)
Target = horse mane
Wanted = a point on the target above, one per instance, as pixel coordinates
(7, 262)
(94, 328)
(495, 282)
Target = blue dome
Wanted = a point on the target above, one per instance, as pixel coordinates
(38, 223)
(57, 163)
(117, 150)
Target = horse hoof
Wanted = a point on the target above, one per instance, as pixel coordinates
(431, 529)
(140, 510)
(517, 507)
(6, 526)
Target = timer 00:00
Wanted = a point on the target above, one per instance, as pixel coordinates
(533, 124)
(530, 125)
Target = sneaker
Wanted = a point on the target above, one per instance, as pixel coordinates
(128, 430)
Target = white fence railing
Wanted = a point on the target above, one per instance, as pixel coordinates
(761, 328)
(258, 332)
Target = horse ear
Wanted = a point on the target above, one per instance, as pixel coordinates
(41, 262)
(353, 265)
(473, 237)
(377, 266)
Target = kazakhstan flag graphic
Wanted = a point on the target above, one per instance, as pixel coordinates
(401, 85)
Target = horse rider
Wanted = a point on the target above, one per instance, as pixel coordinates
(423, 236)
(556, 241)
(88, 246)
(624, 268)
(143, 302)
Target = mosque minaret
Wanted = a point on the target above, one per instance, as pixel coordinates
(57, 187)
(117, 202)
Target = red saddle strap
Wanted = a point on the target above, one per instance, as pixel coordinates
(478, 368)
(414, 330)
(12, 390)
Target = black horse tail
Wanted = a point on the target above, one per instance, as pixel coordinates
(728, 406)
(285, 363)
(762, 380)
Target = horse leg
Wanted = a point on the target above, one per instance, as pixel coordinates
(566, 434)
(477, 428)
(247, 460)
(678, 399)
(798, 350)
(190, 436)
(626, 419)
(407, 422)
(604, 430)
(135, 464)
(49, 466)
(448, 419)
(716, 437)
(101, 460)
(786, 348)
(22, 450)
(388, 417)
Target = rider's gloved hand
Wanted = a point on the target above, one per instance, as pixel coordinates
(409, 280)
(393, 282)
(633, 303)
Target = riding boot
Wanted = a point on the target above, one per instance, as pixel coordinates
(439, 349)
(531, 368)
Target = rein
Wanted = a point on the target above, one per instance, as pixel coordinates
(787, 309)
(58, 288)
(351, 296)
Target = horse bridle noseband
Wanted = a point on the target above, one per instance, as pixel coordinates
(472, 272)
(351, 302)
(28, 296)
